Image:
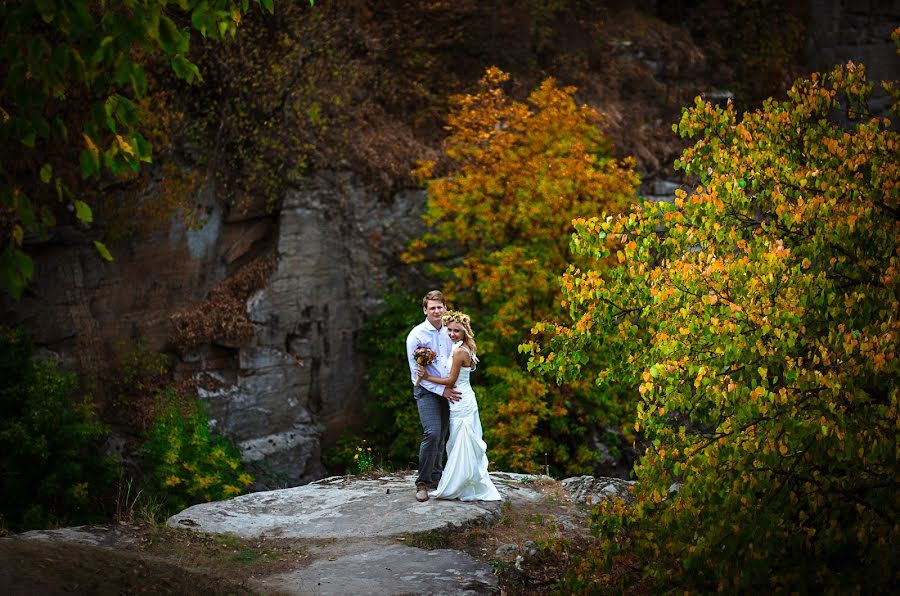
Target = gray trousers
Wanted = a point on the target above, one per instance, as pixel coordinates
(434, 413)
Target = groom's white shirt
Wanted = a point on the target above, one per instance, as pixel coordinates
(424, 334)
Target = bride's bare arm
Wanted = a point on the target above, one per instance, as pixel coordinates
(459, 358)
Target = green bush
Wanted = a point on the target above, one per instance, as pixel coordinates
(51, 470)
(393, 429)
(185, 463)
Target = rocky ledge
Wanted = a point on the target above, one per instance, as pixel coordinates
(354, 530)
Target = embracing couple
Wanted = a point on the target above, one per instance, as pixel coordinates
(447, 407)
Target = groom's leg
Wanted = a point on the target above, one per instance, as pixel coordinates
(430, 415)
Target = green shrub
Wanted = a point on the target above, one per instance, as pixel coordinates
(393, 428)
(185, 463)
(51, 470)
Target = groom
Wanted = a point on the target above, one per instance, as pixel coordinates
(432, 399)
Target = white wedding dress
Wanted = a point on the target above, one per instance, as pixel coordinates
(465, 475)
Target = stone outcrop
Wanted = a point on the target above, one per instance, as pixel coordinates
(858, 31)
(590, 490)
(355, 534)
(347, 507)
(298, 381)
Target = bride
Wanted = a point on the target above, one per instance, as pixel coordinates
(465, 475)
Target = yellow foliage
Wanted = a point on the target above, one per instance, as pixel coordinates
(762, 338)
(500, 222)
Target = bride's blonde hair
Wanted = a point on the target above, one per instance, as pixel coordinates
(455, 316)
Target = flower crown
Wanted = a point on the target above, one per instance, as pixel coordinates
(454, 316)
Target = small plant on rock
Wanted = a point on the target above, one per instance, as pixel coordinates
(350, 455)
(363, 459)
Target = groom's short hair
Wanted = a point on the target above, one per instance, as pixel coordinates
(433, 295)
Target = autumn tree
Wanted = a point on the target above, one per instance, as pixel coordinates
(73, 73)
(500, 221)
(759, 314)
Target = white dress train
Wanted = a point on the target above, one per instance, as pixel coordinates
(465, 475)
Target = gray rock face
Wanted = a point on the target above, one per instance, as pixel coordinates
(299, 382)
(103, 536)
(81, 307)
(858, 31)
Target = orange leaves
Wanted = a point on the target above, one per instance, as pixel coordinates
(424, 170)
(123, 145)
(584, 324)
(520, 175)
(89, 143)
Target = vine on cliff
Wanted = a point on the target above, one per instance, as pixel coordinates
(222, 317)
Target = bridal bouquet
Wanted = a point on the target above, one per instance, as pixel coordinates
(424, 356)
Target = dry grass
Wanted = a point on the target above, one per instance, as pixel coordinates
(223, 555)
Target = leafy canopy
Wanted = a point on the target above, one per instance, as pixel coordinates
(499, 224)
(759, 317)
(72, 72)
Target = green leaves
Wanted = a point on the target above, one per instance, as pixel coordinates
(46, 173)
(187, 463)
(185, 69)
(83, 211)
(104, 252)
(90, 162)
(16, 268)
(58, 51)
(51, 469)
(761, 331)
(170, 39)
(138, 80)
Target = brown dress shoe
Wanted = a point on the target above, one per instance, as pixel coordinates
(421, 493)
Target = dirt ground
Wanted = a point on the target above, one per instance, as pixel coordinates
(163, 560)
(37, 567)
